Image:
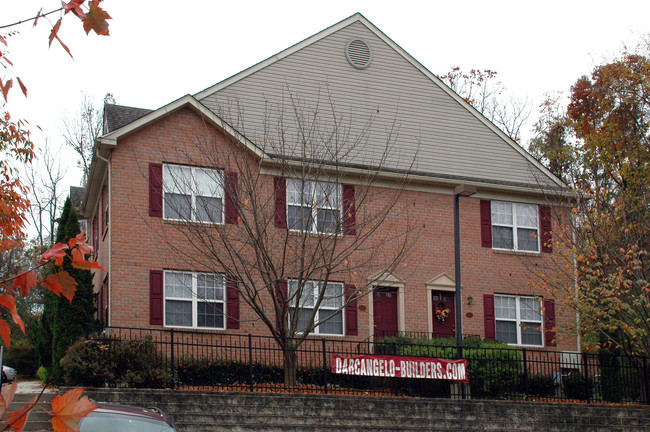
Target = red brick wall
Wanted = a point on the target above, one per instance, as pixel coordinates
(141, 243)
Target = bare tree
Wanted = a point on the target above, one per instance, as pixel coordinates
(293, 224)
(82, 128)
(483, 90)
(44, 179)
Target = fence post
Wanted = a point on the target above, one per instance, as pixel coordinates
(395, 381)
(525, 373)
(646, 380)
(250, 362)
(173, 363)
(324, 366)
(585, 360)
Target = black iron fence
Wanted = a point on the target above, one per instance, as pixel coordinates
(217, 361)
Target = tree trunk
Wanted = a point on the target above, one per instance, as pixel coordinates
(290, 365)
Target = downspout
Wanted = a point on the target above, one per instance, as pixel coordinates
(575, 286)
(109, 235)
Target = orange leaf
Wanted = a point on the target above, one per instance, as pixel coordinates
(25, 282)
(96, 19)
(5, 332)
(86, 265)
(69, 409)
(56, 253)
(6, 396)
(17, 419)
(61, 283)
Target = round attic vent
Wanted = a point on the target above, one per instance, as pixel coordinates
(358, 53)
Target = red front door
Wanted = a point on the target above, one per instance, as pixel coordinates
(384, 304)
(444, 318)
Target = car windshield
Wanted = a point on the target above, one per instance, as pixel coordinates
(105, 422)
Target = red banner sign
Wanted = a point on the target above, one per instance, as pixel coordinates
(400, 367)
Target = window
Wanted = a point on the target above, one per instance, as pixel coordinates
(193, 194)
(330, 306)
(518, 320)
(194, 300)
(313, 206)
(515, 226)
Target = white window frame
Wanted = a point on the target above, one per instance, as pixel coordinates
(217, 187)
(515, 226)
(194, 299)
(519, 321)
(314, 205)
(316, 285)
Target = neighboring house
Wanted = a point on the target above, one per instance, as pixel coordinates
(351, 70)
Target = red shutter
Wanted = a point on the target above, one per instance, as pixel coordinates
(349, 210)
(488, 316)
(281, 294)
(156, 297)
(486, 223)
(549, 322)
(232, 303)
(351, 325)
(230, 190)
(546, 227)
(155, 190)
(280, 188)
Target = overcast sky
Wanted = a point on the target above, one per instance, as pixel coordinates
(160, 50)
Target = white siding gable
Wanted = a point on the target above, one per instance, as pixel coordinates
(391, 104)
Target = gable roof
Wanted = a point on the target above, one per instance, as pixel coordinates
(77, 196)
(116, 116)
(394, 113)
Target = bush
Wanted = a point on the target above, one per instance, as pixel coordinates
(493, 367)
(538, 385)
(575, 386)
(22, 357)
(115, 363)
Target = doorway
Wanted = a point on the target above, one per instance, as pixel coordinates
(384, 304)
(444, 317)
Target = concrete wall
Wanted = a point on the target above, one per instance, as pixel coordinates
(211, 411)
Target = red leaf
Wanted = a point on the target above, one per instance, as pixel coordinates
(8, 288)
(5, 332)
(3, 40)
(6, 87)
(17, 419)
(74, 6)
(69, 409)
(9, 302)
(56, 253)
(6, 396)
(55, 30)
(38, 15)
(22, 86)
(61, 283)
(25, 282)
(96, 19)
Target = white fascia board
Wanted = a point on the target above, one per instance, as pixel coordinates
(112, 138)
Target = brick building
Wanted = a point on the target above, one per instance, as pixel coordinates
(344, 145)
